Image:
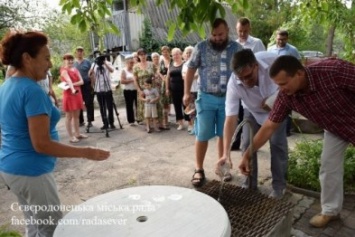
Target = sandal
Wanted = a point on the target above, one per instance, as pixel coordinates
(198, 182)
(82, 136)
(74, 140)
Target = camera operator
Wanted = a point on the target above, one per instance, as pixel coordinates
(100, 73)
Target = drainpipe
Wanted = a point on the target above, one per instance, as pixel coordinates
(127, 28)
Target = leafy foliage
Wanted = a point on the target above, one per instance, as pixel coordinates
(332, 13)
(304, 165)
(152, 45)
(307, 37)
(91, 15)
(193, 13)
(26, 14)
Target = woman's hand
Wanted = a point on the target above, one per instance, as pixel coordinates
(97, 154)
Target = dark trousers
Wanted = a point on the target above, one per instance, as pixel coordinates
(288, 125)
(105, 100)
(130, 97)
(236, 143)
(178, 105)
(88, 97)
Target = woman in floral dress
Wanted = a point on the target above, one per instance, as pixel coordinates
(142, 70)
(165, 100)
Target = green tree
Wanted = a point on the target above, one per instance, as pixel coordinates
(91, 15)
(64, 37)
(26, 14)
(266, 16)
(333, 15)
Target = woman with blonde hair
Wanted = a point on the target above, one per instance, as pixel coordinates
(175, 87)
(129, 89)
(190, 110)
(165, 63)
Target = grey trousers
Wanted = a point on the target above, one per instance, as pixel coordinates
(279, 153)
(331, 173)
(38, 199)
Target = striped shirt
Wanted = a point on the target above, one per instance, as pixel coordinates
(329, 102)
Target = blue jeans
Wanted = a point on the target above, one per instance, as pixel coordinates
(279, 153)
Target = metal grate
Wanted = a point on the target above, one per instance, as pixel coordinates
(251, 213)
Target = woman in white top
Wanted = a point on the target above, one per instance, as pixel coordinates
(129, 89)
(190, 110)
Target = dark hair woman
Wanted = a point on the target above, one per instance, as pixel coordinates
(28, 121)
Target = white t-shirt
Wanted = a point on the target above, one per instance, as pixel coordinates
(45, 83)
(129, 76)
(102, 78)
(253, 43)
(194, 86)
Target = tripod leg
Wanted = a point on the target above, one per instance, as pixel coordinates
(117, 114)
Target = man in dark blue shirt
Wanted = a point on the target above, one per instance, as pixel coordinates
(84, 65)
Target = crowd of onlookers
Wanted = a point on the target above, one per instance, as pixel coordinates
(151, 87)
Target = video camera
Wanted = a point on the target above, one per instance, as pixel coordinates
(99, 60)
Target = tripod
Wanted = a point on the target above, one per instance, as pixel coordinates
(105, 99)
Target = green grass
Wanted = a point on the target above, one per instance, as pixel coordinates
(6, 232)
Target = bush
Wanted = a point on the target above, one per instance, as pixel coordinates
(304, 164)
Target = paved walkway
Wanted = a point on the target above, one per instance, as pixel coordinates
(165, 158)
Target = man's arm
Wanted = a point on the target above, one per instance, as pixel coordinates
(260, 138)
(109, 66)
(230, 124)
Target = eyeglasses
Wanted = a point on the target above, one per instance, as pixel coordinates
(247, 77)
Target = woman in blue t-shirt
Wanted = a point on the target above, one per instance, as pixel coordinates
(29, 137)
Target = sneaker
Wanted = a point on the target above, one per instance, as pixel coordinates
(82, 124)
(89, 124)
(112, 126)
(277, 194)
(321, 220)
(189, 128)
(104, 127)
(180, 127)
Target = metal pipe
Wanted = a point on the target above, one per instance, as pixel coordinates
(251, 136)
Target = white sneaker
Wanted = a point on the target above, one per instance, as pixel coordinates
(181, 127)
(189, 128)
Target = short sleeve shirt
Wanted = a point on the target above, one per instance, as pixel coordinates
(287, 50)
(20, 99)
(84, 68)
(329, 102)
(214, 67)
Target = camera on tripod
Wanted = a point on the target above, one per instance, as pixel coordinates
(100, 60)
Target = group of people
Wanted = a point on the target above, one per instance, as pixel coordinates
(149, 87)
(232, 74)
(241, 72)
(85, 79)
